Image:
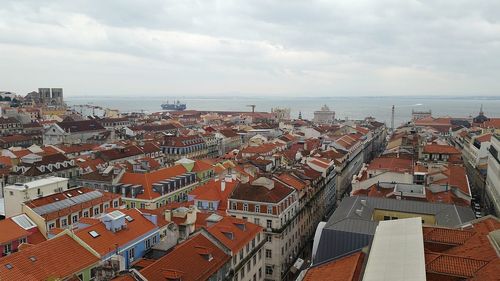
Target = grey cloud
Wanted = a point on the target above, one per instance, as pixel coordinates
(299, 47)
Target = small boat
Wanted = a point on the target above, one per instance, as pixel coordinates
(177, 105)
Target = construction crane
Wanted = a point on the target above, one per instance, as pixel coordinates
(252, 106)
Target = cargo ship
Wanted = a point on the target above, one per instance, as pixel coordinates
(177, 105)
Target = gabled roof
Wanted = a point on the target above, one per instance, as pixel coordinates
(466, 252)
(442, 149)
(107, 241)
(260, 193)
(11, 231)
(80, 126)
(146, 180)
(393, 164)
(228, 133)
(234, 233)
(212, 191)
(195, 259)
(57, 258)
(346, 268)
(292, 181)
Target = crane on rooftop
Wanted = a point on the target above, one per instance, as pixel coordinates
(252, 106)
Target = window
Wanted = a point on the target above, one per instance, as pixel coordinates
(143, 205)
(233, 205)
(256, 221)
(131, 254)
(248, 248)
(148, 243)
(257, 208)
(269, 253)
(241, 254)
(52, 225)
(269, 209)
(96, 211)
(248, 266)
(394, 218)
(245, 207)
(74, 219)
(115, 204)
(269, 223)
(22, 240)
(259, 253)
(269, 238)
(7, 248)
(242, 272)
(93, 273)
(86, 214)
(235, 258)
(254, 277)
(64, 222)
(132, 205)
(210, 205)
(260, 273)
(154, 239)
(386, 218)
(269, 270)
(254, 258)
(200, 205)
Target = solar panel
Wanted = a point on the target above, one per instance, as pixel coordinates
(62, 204)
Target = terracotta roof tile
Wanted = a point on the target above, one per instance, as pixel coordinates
(442, 149)
(347, 268)
(231, 235)
(11, 231)
(48, 257)
(260, 193)
(188, 261)
(147, 179)
(107, 240)
(455, 265)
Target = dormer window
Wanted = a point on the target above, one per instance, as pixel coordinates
(228, 234)
(240, 226)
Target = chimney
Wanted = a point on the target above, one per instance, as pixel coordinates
(168, 215)
(223, 185)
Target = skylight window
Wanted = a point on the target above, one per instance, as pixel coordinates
(33, 258)
(94, 234)
(129, 218)
(79, 191)
(8, 266)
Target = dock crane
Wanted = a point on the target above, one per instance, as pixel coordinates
(253, 107)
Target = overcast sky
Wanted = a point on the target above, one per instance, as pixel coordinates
(295, 48)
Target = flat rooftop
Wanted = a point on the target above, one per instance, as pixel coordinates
(37, 183)
(397, 252)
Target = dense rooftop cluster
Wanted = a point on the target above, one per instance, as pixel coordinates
(198, 195)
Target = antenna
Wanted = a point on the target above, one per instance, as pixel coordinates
(392, 120)
(252, 106)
